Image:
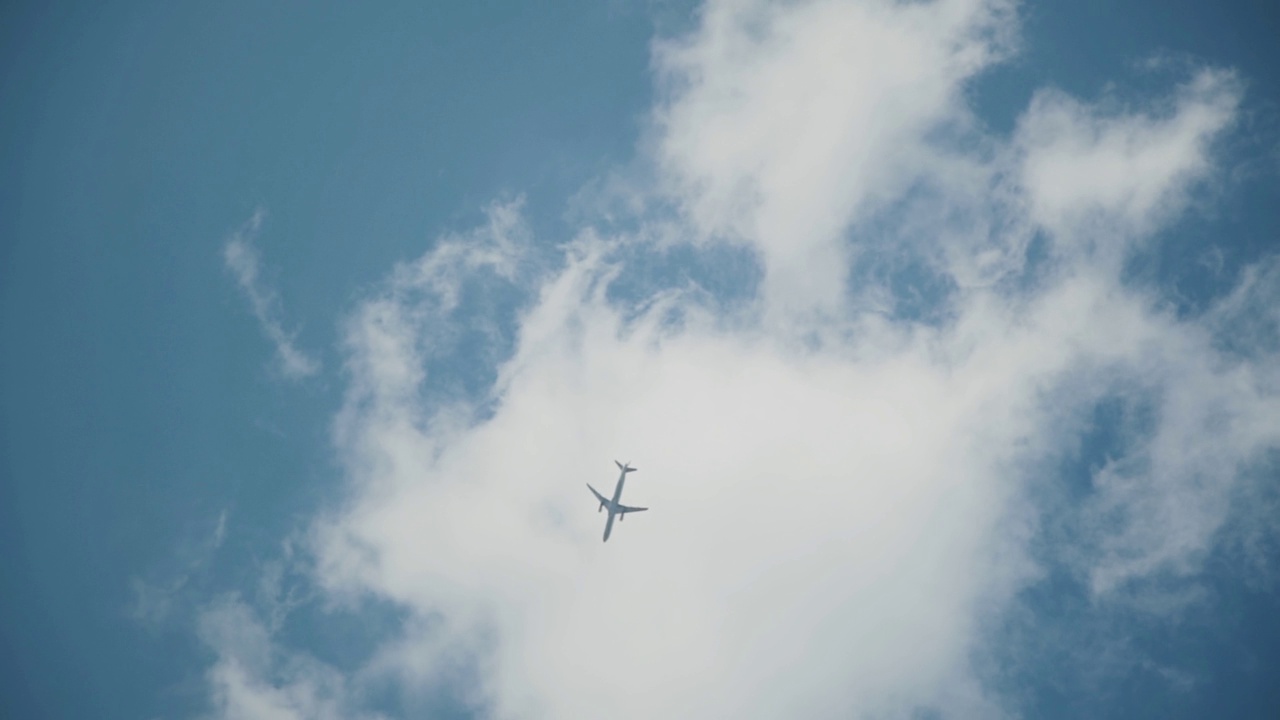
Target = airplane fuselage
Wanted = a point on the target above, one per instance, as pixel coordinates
(613, 505)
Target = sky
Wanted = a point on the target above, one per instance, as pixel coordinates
(945, 336)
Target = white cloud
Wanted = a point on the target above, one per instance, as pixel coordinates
(841, 500)
(156, 599)
(1091, 174)
(785, 123)
(779, 507)
(252, 679)
(242, 259)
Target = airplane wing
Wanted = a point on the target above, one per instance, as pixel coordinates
(624, 509)
(599, 497)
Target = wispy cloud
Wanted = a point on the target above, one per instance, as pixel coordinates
(242, 258)
(253, 678)
(157, 599)
(844, 498)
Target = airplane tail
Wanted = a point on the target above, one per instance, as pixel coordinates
(625, 467)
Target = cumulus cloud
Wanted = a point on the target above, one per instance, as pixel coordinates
(1086, 170)
(784, 124)
(252, 679)
(243, 260)
(843, 497)
(799, 543)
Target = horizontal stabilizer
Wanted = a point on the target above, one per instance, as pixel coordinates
(624, 467)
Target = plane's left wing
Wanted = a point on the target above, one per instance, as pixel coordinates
(624, 509)
(603, 500)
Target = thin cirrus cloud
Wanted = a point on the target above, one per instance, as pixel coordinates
(242, 258)
(157, 600)
(844, 500)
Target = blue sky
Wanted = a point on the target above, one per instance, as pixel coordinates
(944, 336)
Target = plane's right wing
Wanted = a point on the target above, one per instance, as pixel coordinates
(624, 509)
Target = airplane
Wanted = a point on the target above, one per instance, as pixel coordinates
(615, 508)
